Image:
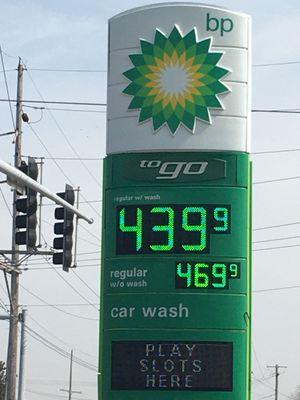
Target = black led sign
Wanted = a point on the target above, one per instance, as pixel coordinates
(172, 365)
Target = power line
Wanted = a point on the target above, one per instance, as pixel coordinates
(51, 395)
(277, 180)
(275, 151)
(103, 70)
(276, 289)
(60, 340)
(277, 239)
(57, 349)
(70, 285)
(57, 308)
(63, 133)
(50, 382)
(279, 111)
(61, 305)
(85, 284)
(282, 111)
(279, 247)
(73, 103)
(57, 164)
(67, 70)
(7, 90)
(48, 268)
(276, 226)
(86, 230)
(5, 201)
(81, 202)
(67, 109)
(276, 64)
(72, 158)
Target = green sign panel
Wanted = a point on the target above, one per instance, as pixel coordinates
(175, 297)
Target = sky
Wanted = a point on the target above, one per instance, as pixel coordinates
(72, 35)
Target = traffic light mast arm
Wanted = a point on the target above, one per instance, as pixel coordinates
(20, 177)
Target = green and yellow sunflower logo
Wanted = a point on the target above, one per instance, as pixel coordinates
(175, 80)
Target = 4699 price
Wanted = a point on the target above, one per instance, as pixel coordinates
(205, 275)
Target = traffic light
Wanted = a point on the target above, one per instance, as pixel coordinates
(27, 205)
(65, 231)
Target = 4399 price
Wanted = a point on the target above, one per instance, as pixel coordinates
(170, 228)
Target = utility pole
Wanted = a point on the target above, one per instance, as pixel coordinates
(22, 355)
(14, 306)
(276, 366)
(70, 391)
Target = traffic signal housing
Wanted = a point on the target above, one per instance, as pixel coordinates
(64, 242)
(26, 207)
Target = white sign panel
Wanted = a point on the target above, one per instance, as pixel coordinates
(178, 79)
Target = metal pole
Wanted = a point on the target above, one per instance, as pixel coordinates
(76, 229)
(41, 204)
(22, 356)
(276, 381)
(70, 391)
(276, 366)
(14, 307)
(70, 379)
(32, 184)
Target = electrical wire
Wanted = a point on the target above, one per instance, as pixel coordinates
(276, 151)
(67, 109)
(5, 201)
(57, 308)
(48, 268)
(67, 139)
(276, 289)
(103, 70)
(74, 159)
(60, 305)
(277, 239)
(279, 247)
(85, 284)
(79, 237)
(277, 180)
(276, 226)
(7, 90)
(58, 166)
(59, 339)
(67, 70)
(73, 103)
(71, 286)
(257, 361)
(57, 349)
(53, 396)
(276, 64)
(78, 103)
(64, 134)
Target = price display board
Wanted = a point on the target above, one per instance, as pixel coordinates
(176, 280)
(175, 300)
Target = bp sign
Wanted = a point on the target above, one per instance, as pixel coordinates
(175, 281)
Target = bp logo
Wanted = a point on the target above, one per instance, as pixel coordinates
(175, 80)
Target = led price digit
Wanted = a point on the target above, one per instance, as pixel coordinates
(137, 229)
(234, 271)
(186, 275)
(219, 272)
(201, 278)
(221, 215)
(169, 228)
(201, 228)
